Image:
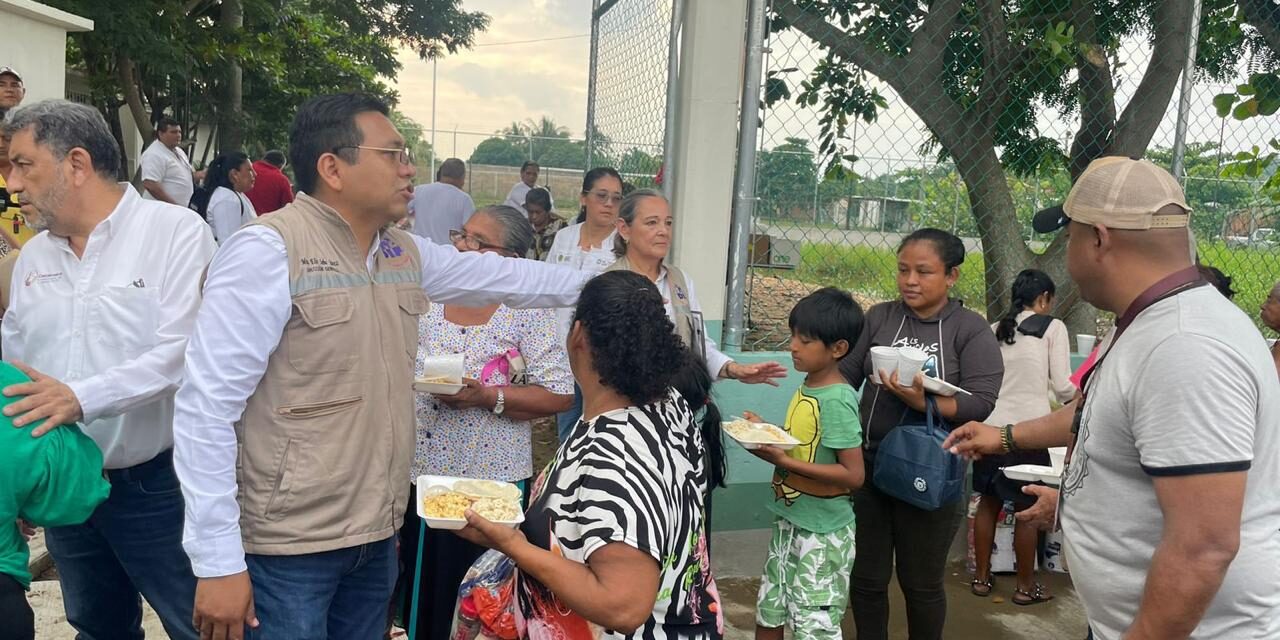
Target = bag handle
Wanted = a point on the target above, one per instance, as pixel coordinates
(932, 415)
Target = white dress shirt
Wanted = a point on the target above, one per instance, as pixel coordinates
(113, 324)
(228, 210)
(246, 306)
(171, 168)
(566, 252)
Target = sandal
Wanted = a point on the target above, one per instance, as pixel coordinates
(982, 588)
(1036, 596)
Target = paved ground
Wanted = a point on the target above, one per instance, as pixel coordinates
(738, 556)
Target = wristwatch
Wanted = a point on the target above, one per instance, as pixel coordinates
(501, 404)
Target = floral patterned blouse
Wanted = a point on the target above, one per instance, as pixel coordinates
(476, 443)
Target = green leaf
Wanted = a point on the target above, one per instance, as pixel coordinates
(1246, 109)
(1245, 89)
(1223, 103)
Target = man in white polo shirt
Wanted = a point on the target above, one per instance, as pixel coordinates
(166, 172)
(1169, 499)
(102, 304)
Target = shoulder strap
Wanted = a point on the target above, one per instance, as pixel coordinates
(1035, 325)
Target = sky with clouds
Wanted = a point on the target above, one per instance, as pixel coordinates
(486, 88)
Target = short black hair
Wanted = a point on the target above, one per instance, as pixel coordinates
(166, 123)
(527, 164)
(949, 248)
(828, 314)
(327, 124)
(274, 157)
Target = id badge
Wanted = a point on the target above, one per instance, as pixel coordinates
(698, 334)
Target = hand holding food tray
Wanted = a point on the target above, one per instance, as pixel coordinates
(443, 501)
(753, 435)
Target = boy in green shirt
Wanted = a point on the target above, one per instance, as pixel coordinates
(806, 574)
(53, 480)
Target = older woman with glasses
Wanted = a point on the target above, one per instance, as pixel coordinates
(515, 370)
(587, 246)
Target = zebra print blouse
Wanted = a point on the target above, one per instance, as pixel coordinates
(634, 476)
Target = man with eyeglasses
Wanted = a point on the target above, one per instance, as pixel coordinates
(295, 421)
(442, 206)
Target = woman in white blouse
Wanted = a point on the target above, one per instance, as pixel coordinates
(643, 239)
(221, 201)
(587, 246)
(515, 370)
(1037, 363)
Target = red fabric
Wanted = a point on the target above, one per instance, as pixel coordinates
(272, 189)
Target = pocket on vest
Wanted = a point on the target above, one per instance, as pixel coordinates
(321, 343)
(282, 483)
(413, 303)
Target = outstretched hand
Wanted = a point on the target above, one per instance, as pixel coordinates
(973, 440)
(759, 373)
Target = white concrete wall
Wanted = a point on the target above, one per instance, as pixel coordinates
(706, 144)
(33, 40)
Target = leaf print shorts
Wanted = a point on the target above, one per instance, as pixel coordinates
(806, 581)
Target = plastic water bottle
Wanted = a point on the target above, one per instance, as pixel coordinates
(468, 624)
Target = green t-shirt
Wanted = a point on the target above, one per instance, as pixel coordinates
(824, 420)
(53, 480)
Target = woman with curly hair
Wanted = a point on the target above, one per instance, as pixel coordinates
(614, 540)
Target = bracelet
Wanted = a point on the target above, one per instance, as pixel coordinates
(1012, 445)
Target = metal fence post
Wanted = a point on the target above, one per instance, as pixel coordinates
(590, 133)
(744, 201)
(1184, 96)
(673, 103)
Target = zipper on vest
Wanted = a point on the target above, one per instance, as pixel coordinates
(313, 409)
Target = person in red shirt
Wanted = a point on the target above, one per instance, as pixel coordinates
(272, 190)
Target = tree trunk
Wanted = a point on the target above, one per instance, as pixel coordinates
(127, 76)
(231, 113)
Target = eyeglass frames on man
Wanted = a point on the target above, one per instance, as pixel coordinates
(405, 155)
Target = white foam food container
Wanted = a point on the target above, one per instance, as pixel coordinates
(1034, 473)
(938, 386)
(787, 442)
(453, 524)
(441, 375)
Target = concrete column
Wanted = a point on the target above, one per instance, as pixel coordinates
(710, 86)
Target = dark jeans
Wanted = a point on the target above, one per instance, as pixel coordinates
(130, 547)
(17, 621)
(887, 525)
(566, 421)
(341, 594)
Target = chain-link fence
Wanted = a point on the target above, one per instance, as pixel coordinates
(627, 110)
(879, 118)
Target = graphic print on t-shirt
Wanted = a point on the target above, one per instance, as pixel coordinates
(930, 367)
(1078, 463)
(804, 423)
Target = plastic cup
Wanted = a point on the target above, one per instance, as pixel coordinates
(910, 360)
(883, 359)
(1057, 458)
(443, 366)
(1085, 343)
(1271, 343)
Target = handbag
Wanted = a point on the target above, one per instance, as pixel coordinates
(912, 466)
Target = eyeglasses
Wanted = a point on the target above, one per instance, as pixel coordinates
(603, 196)
(473, 243)
(405, 156)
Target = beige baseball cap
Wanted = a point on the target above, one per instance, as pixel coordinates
(1119, 193)
(10, 71)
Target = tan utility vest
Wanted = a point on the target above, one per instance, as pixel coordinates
(327, 437)
(688, 325)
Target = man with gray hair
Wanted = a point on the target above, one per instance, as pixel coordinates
(101, 310)
(442, 206)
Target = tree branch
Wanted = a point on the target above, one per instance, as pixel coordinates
(835, 39)
(1264, 16)
(929, 43)
(1097, 92)
(126, 76)
(1171, 22)
(993, 95)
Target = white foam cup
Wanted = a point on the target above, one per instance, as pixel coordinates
(910, 360)
(1057, 456)
(883, 359)
(1085, 343)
